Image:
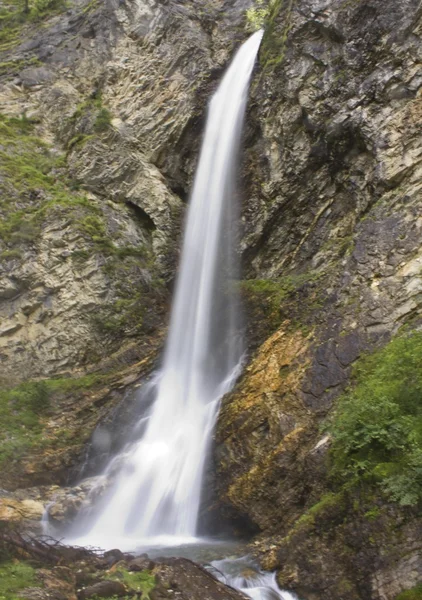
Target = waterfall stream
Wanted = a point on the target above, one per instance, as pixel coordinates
(154, 500)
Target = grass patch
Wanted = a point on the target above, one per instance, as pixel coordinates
(34, 185)
(377, 425)
(33, 182)
(14, 577)
(16, 15)
(24, 409)
(13, 67)
(256, 16)
(102, 120)
(413, 594)
(89, 119)
(270, 294)
(142, 582)
(140, 303)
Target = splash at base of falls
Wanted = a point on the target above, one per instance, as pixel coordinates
(243, 575)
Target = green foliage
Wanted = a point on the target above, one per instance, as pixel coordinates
(413, 594)
(15, 15)
(377, 426)
(271, 293)
(13, 67)
(10, 255)
(14, 577)
(142, 582)
(34, 185)
(328, 501)
(273, 45)
(99, 120)
(102, 120)
(257, 15)
(23, 410)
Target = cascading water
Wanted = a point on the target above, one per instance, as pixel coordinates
(156, 496)
(246, 577)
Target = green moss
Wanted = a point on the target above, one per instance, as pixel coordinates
(274, 41)
(17, 15)
(10, 255)
(271, 293)
(13, 67)
(326, 504)
(142, 582)
(33, 176)
(257, 15)
(14, 577)
(373, 513)
(102, 120)
(377, 425)
(99, 121)
(413, 594)
(24, 409)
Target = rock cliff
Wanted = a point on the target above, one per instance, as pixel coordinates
(102, 106)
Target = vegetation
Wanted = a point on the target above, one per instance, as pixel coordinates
(270, 295)
(377, 426)
(257, 15)
(140, 303)
(33, 184)
(266, 15)
(413, 594)
(15, 576)
(99, 120)
(16, 14)
(24, 409)
(316, 512)
(142, 582)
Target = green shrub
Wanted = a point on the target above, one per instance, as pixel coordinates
(34, 177)
(142, 582)
(377, 426)
(413, 594)
(102, 120)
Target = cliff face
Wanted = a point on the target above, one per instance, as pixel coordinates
(102, 110)
(333, 231)
(101, 104)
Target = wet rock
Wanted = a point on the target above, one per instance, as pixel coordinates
(103, 589)
(113, 556)
(141, 563)
(182, 577)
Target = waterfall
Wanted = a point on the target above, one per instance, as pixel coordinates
(155, 497)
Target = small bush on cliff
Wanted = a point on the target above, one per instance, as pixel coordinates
(377, 427)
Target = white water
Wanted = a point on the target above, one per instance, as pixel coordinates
(156, 496)
(244, 576)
